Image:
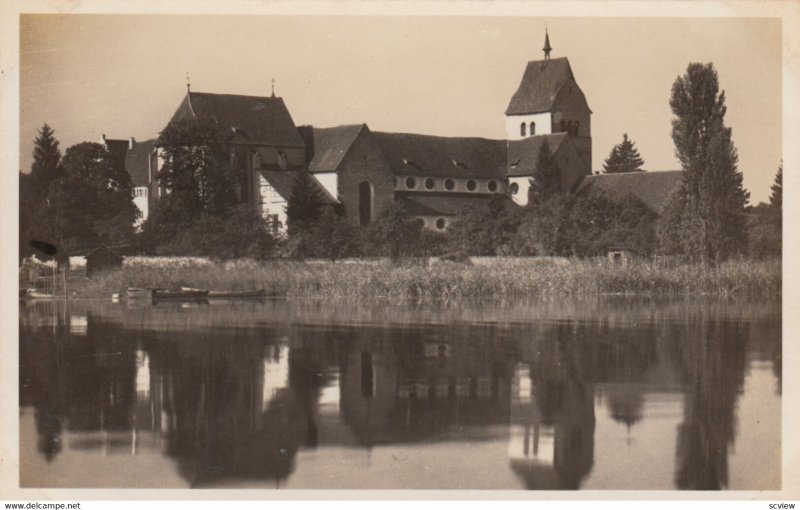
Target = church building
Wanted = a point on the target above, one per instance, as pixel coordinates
(433, 178)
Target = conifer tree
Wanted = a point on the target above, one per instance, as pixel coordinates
(46, 165)
(776, 198)
(713, 198)
(304, 207)
(546, 176)
(624, 157)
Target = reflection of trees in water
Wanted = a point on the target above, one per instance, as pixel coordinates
(223, 424)
(711, 358)
(222, 416)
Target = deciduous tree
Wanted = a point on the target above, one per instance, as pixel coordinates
(196, 169)
(713, 198)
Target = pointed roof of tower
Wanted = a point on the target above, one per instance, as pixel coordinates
(547, 49)
(540, 85)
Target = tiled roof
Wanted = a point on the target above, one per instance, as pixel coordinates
(410, 154)
(523, 154)
(249, 119)
(652, 188)
(539, 87)
(331, 145)
(431, 204)
(137, 162)
(284, 180)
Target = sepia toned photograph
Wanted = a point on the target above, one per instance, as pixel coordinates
(399, 252)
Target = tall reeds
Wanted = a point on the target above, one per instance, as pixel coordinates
(502, 277)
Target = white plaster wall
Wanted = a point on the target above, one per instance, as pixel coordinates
(543, 122)
(329, 181)
(140, 201)
(522, 195)
(429, 222)
(270, 202)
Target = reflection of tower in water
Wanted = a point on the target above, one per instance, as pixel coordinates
(551, 443)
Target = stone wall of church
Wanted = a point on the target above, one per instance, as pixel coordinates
(365, 163)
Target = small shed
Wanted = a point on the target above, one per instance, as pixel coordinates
(621, 256)
(102, 258)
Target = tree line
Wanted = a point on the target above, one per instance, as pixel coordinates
(84, 198)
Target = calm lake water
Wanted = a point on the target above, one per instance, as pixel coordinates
(605, 393)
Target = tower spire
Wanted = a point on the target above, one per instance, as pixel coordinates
(188, 84)
(273, 87)
(547, 49)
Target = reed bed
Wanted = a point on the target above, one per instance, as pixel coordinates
(501, 278)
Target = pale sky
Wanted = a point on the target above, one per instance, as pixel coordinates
(124, 75)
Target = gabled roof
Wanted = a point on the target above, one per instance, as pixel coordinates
(436, 156)
(540, 85)
(248, 119)
(284, 180)
(439, 205)
(103, 249)
(137, 162)
(652, 188)
(331, 145)
(523, 154)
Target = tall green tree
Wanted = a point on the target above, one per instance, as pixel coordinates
(488, 229)
(305, 205)
(546, 176)
(624, 158)
(776, 197)
(712, 209)
(33, 187)
(91, 203)
(196, 169)
(46, 165)
(393, 234)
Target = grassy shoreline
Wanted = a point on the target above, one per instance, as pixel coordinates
(492, 278)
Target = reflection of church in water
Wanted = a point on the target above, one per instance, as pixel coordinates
(241, 404)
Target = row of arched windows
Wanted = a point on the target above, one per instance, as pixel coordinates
(570, 127)
(523, 129)
(410, 183)
(567, 126)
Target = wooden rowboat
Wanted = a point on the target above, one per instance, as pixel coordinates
(193, 294)
(137, 293)
(35, 294)
(230, 294)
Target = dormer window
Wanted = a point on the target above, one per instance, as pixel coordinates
(412, 164)
(522, 129)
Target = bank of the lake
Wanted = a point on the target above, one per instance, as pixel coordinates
(481, 277)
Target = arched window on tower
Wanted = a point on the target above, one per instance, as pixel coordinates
(533, 128)
(563, 125)
(522, 129)
(576, 129)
